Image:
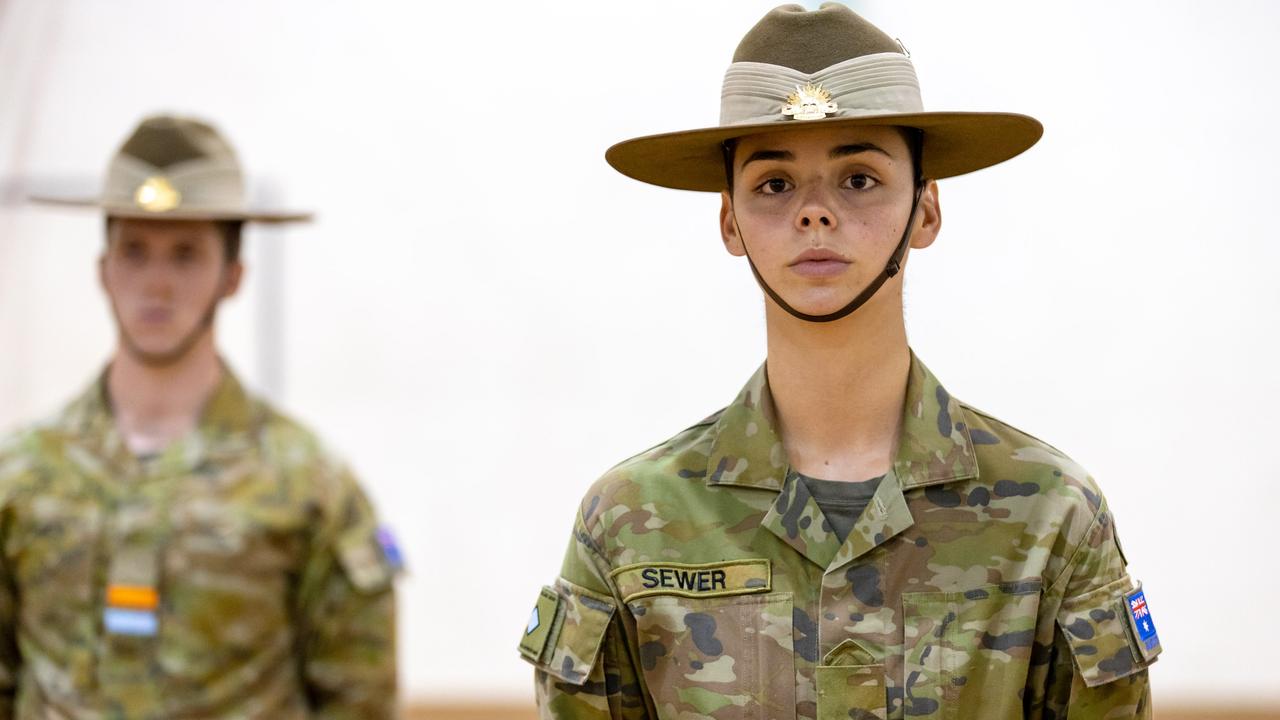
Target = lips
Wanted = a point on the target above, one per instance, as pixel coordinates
(156, 315)
(819, 262)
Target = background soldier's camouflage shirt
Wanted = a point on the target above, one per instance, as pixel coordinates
(983, 581)
(274, 597)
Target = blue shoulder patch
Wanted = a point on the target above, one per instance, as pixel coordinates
(1142, 621)
(390, 550)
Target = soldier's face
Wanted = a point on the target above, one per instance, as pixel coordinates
(164, 279)
(821, 210)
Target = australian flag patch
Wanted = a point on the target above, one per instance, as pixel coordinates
(1143, 625)
(390, 548)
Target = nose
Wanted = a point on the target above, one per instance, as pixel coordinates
(157, 280)
(818, 218)
(815, 212)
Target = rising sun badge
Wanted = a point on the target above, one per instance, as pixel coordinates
(157, 195)
(809, 102)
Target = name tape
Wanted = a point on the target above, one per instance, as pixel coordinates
(730, 577)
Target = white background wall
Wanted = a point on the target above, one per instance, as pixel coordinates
(485, 317)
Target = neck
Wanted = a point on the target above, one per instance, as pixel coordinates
(154, 405)
(838, 388)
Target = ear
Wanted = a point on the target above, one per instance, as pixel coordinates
(928, 217)
(729, 227)
(102, 257)
(234, 276)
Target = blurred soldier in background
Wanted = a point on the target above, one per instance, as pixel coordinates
(170, 545)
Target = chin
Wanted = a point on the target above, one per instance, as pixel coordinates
(154, 345)
(825, 304)
(156, 351)
(158, 358)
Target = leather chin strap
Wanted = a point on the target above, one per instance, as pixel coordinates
(890, 269)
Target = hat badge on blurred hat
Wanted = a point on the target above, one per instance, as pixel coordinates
(809, 102)
(157, 195)
(176, 168)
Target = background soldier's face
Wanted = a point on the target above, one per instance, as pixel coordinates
(841, 195)
(164, 279)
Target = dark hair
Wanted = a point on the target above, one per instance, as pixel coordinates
(914, 138)
(231, 231)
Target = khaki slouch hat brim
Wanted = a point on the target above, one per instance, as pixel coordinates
(175, 168)
(833, 66)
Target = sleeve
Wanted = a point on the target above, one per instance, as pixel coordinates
(1104, 639)
(10, 659)
(576, 639)
(346, 612)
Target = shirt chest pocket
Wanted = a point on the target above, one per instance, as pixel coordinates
(57, 549)
(55, 553)
(226, 577)
(713, 640)
(213, 539)
(970, 648)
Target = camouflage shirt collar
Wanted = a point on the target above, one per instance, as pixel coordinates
(226, 422)
(934, 445)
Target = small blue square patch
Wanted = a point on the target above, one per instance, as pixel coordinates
(1142, 621)
(534, 622)
(390, 549)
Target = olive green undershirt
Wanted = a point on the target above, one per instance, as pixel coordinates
(841, 503)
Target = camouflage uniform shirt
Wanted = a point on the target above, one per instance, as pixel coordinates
(984, 580)
(235, 575)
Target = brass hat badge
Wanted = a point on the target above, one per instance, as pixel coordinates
(809, 102)
(157, 195)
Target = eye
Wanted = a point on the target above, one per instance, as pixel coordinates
(861, 181)
(132, 250)
(773, 186)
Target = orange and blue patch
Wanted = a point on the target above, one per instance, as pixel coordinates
(131, 610)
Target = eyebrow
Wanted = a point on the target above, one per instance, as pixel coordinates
(767, 155)
(857, 148)
(836, 153)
